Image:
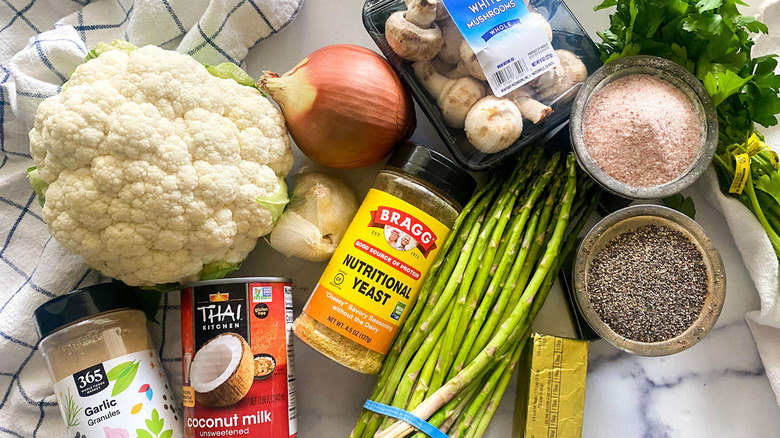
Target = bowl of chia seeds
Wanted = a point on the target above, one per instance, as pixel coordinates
(649, 281)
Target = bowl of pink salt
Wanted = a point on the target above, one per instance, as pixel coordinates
(644, 127)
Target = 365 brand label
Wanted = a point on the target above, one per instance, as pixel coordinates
(123, 397)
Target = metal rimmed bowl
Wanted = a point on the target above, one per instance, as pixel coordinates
(671, 73)
(629, 219)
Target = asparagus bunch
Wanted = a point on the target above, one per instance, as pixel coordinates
(455, 354)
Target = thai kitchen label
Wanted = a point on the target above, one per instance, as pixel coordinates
(511, 44)
(120, 398)
(237, 360)
(373, 278)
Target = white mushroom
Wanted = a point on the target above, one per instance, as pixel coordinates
(441, 12)
(423, 12)
(529, 107)
(442, 67)
(412, 34)
(455, 97)
(544, 23)
(470, 62)
(458, 72)
(451, 39)
(493, 124)
(562, 82)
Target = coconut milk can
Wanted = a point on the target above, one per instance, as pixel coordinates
(237, 358)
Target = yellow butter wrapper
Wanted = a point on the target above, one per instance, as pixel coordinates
(551, 388)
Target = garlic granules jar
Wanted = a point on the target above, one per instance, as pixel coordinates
(108, 378)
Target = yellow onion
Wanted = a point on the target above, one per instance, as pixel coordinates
(345, 106)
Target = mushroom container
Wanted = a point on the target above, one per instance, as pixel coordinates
(425, 47)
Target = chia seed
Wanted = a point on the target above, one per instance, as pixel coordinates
(648, 284)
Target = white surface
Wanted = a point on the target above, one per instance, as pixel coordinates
(716, 389)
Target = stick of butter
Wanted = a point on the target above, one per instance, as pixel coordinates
(551, 388)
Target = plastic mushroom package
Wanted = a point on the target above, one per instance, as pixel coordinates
(492, 76)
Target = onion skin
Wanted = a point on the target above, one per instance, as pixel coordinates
(345, 106)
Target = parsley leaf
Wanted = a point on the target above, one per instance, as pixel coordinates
(682, 204)
(769, 184)
(723, 85)
(708, 5)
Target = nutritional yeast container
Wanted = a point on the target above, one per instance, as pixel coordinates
(373, 278)
(567, 34)
(237, 358)
(108, 378)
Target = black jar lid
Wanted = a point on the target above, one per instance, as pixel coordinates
(84, 303)
(435, 169)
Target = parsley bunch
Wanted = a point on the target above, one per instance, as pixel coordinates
(713, 40)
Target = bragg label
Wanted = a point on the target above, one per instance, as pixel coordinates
(390, 217)
(237, 359)
(374, 276)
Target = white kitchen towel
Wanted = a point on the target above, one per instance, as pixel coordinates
(753, 244)
(41, 42)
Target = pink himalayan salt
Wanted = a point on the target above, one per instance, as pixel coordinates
(642, 130)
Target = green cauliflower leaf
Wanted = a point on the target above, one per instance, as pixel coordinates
(228, 70)
(38, 184)
(107, 47)
(276, 202)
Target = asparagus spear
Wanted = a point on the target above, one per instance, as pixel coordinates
(413, 371)
(482, 414)
(445, 417)
(423, 383)
(483, 419)
(495, 216)
(478, 405)
(510, 260)
(584, 212)
(455, 414)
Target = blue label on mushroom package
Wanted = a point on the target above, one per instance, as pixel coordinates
(511, 44)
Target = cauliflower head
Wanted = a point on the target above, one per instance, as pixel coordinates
(156, 171)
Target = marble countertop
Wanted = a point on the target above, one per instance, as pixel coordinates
(716, 389)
